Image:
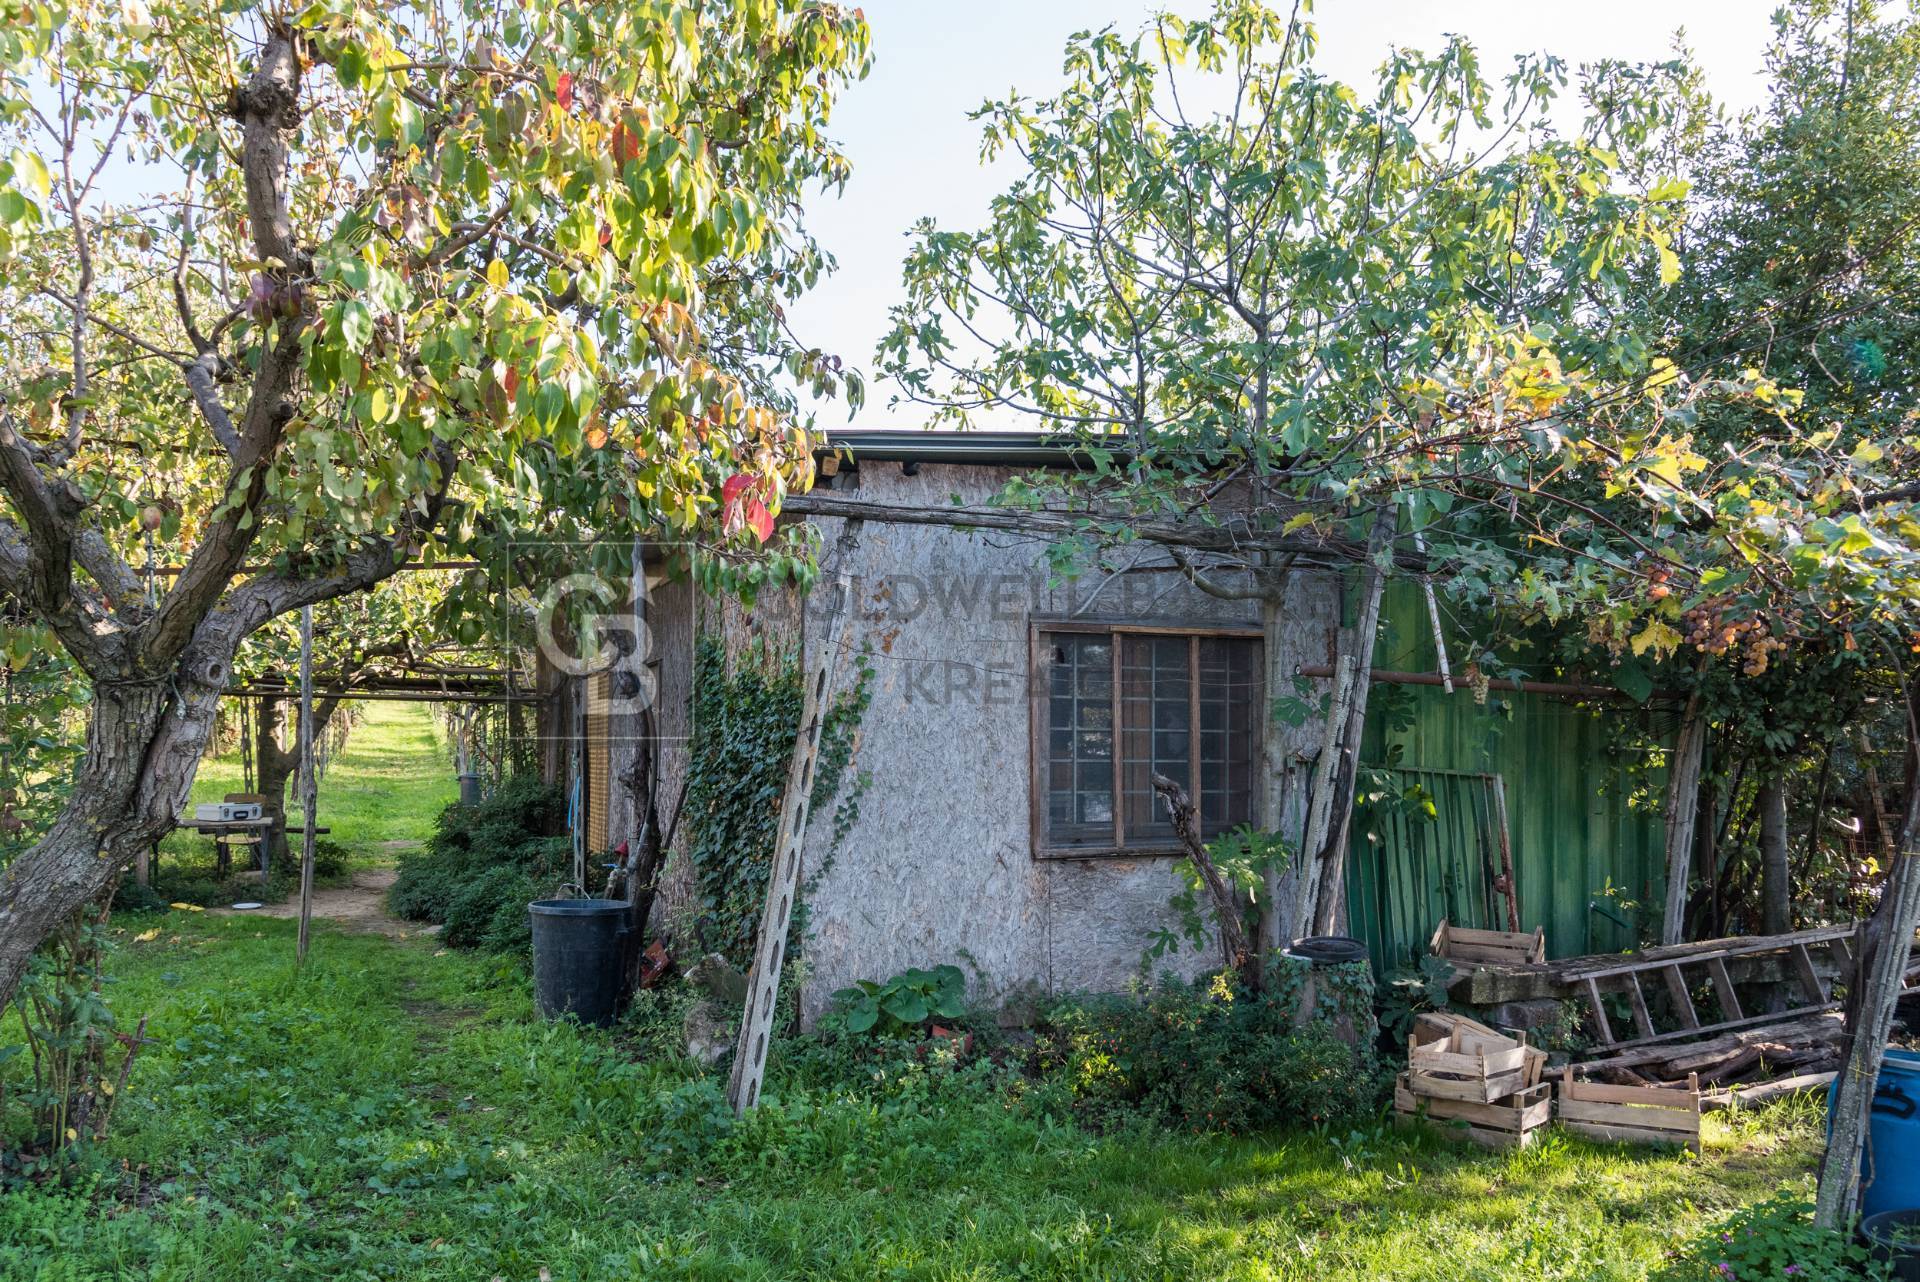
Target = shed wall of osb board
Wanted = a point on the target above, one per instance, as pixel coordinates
(939, 866)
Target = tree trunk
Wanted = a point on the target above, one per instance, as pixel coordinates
(1239, 958)
(1882, 962)
(273, 765)
(1683, 812)
(1776, 903)
(1276, 769)
(1330, 813)
(144, 744)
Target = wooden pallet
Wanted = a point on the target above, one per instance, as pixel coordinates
(1631, 1114)
(1512, 1122)
(1500, 947)
(1670, 966)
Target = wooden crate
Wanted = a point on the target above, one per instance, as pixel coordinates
(1506, 1123)
(1632, 1114)
(1438, 1025)
(1470, 1064)
(1503, 947)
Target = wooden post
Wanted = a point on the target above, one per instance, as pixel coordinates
(1683, 812)
(1497, 786)
(1330, 813)
(1776, 897)
(307, 787)
(1882, 968)
(783, 878)
(1433, 620)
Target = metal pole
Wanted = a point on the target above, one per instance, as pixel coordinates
(307, 789)
(577, 756)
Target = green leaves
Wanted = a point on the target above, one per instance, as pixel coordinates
(904, 1005)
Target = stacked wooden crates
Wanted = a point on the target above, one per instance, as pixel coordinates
(1475, 1082)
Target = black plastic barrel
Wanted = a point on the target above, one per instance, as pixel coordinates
(579, 958)
(1893, 1237)
(1328, 950)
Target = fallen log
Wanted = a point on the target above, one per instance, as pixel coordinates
(1761, 1092)
(1731, 1067)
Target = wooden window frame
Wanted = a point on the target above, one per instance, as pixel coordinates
(1037, 695)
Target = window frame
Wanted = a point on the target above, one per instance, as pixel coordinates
(1037, 727)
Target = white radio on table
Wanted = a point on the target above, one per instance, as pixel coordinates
(223, 812)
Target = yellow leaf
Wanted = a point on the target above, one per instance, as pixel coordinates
(1656, 636)
(1669, 266)
(147, 937)
(188, 908)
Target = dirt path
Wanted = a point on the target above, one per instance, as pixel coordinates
(360, 906)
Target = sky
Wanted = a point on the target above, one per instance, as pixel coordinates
(915, 154)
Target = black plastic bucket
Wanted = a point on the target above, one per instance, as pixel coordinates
(1893, 1237)
(580, 958)
(1328, 950)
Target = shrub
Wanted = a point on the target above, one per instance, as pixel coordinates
(491, 909)
(483, 864)
(329, 857)
(1773, 1240)
(1206, 1057)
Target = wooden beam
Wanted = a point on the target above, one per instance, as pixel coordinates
(783, 879)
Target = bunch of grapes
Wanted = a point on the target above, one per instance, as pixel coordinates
(1710, 630)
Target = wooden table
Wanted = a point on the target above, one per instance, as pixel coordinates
(217, 828)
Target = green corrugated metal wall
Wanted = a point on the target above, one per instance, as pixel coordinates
(1588, 865)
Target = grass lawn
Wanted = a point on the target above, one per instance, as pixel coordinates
(381, 792)
(397, 1112)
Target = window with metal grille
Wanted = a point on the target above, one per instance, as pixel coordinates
(1114, 706)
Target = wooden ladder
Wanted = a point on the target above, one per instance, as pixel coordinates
(1669, 965)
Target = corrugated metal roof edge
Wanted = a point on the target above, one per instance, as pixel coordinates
(918, 445)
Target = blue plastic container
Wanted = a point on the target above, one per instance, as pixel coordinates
(1890, 1168)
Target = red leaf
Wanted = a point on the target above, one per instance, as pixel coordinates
(626, 143)
(564, 91)
(734, 487)
(760, 519)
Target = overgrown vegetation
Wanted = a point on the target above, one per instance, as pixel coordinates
(484, 863)
(1774, 1239)
(76, 1061)
(397, 1111)
(1203, 1057)
(745, 716)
